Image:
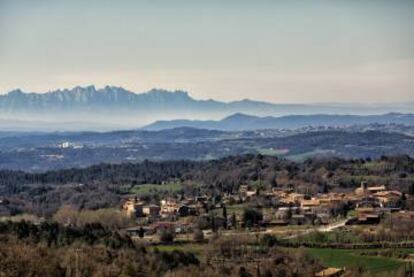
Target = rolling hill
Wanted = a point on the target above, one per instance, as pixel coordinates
(238, 122)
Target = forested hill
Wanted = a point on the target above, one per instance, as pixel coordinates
(131, 173)
(229, 170)
(104, 185)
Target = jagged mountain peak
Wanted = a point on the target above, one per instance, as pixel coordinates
(158, 91)
(85, 88)
(90, 89)
(15, 92)
(91, 98)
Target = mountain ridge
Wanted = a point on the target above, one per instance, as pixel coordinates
(240, 121)
(129, 109)
(86, 93)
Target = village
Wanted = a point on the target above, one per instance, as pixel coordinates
(292, 215)
(367, 204)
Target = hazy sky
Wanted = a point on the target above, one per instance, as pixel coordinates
(280, 51)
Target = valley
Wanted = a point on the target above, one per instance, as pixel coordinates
(45, 151)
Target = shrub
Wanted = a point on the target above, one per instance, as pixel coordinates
(268, 240)
(166, 235)
(252, 217)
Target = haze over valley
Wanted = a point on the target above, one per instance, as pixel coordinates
(83, 126)
(86, 108)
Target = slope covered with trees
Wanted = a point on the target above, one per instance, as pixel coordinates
(103, 186)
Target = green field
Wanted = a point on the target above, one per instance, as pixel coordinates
(339, 258)
(352, 259)
(197, 249)
(153, 188)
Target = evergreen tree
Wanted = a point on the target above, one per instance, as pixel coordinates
(225, 216)
(141, 232)
(233, 220)
(213, 223)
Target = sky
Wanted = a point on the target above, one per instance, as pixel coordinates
(277, 51)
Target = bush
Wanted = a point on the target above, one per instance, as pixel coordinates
(252, 217)
(166, 236)
(268, 240)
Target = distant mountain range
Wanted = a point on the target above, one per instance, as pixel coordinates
(91, 99)
(238, 122)
(117, 108)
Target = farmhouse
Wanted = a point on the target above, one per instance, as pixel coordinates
(312, 203)
(169, 206)
(367, 215)
(151, 210)
(292, 198)
(388, 198)
(364, 189)
(133, 207)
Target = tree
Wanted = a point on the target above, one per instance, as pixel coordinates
(225, 216)
(213, 223)
(141, 232)
(289, 213)
(243, 272)
(233, 220)
(402, 202)
(325, 188)
(252, 217)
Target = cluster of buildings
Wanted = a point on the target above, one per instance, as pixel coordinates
(166, 215)
(368, 204)
(167, 208)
